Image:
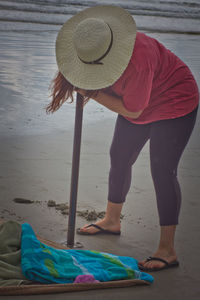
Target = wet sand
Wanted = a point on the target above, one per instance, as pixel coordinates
(35, 164)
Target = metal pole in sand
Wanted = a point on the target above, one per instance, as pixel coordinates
(75, 173)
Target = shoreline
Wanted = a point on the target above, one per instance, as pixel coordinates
(163, 15)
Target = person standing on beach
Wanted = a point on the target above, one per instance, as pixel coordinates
(101, 55)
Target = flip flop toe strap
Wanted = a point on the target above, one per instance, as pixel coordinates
(101, 230)
(96, 226)
(157, 258)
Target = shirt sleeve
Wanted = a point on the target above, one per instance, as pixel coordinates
(137, 89)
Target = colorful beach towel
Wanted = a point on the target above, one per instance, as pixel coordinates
(46, 264)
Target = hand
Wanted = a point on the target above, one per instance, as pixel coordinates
(83, 93)
(80, 91)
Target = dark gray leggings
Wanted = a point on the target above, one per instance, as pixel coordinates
(168, 139)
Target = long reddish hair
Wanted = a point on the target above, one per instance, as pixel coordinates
(62, 90)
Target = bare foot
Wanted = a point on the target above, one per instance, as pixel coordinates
(105, 224)
(168, 255)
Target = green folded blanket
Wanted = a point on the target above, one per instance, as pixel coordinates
(10, 255)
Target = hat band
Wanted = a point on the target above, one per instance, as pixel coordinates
(98, 61)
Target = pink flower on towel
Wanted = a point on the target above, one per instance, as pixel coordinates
(85, 278)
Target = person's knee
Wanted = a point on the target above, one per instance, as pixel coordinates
(162, 168)
(117, 159)
(122, 160)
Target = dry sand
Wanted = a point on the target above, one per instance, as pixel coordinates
(37, 166)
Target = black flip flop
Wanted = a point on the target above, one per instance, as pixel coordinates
(167, 265)
(101, 231)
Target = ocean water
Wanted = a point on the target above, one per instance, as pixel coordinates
(28, 31)
(154, 15)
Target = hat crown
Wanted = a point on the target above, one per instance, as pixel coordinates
(91, 38)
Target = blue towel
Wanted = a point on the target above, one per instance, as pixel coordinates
(46, 264)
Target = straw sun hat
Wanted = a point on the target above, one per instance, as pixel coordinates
(93, 48)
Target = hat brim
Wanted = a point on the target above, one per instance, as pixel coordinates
(91, 76)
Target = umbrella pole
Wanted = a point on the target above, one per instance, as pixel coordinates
(75, 173)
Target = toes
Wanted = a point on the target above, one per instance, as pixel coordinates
(141, 262)
(84, 228)
(153, 265)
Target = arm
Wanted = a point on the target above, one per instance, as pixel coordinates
(116, 104)
(113, 103)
